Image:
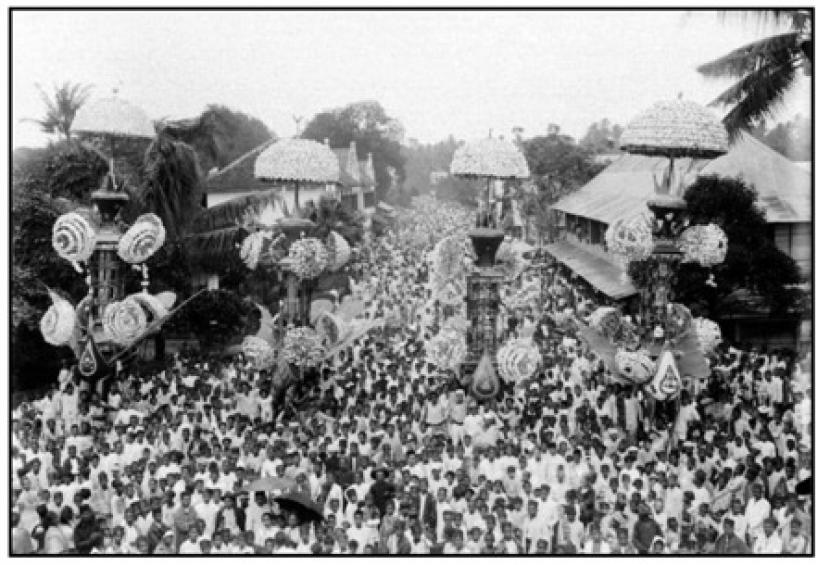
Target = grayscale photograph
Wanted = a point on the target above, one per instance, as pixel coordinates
(410, 281)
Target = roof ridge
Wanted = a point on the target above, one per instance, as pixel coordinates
(241, 158)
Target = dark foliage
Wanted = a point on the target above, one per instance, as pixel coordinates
(753, 263)
(172, 185)
(212, 317)
(219, 135)
(65, 169)
(558, 165)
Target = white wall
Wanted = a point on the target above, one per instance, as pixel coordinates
(272, 213)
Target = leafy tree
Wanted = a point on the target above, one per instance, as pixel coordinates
(764, 69)
(367, 124)
(219, 135)
(61, 107)
(35, 266)
(602, 137)
(66, 169)
(557, 164)
(753, 262)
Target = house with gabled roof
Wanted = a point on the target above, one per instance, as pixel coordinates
(357, 179)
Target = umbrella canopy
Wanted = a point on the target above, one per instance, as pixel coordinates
(300, 504)
(270, 484)
(493, 158)
(113, 116)
(676, 128)
(297, 160)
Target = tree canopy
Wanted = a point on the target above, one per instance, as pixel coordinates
(765, 69)
(372, 129)
(557, 164)
(219, 135)
(602, 137)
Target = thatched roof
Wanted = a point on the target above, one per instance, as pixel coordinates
(297, 160)
(489, 157)
(238, 176)
(679, 128)
(113, 116)
(622, 189)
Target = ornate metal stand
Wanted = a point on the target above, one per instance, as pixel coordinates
(483, 298)
(670, 219)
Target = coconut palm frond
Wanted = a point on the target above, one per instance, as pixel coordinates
(172, 184)
(61, 106)
(751, 57)
(236, 211)
(756, 96)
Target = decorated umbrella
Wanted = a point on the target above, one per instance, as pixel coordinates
(673, 129)
(488, 158)
(298, 161)
(676, 128)
(300, 504)
(112, 118)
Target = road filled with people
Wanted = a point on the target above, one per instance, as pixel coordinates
(400, 457)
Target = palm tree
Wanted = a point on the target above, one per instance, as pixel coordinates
(61, 107)
(172, 184)
(765, 69)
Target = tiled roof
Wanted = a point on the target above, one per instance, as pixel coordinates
(622, 189)
(603, 275)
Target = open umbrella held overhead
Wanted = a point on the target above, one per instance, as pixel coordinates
(300, 504)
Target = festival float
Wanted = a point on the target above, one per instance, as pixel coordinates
(106, 324)
(488, 159)
(670, 346)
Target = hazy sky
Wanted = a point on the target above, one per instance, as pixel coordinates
(437, 72)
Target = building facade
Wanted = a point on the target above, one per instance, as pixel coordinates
(622, 190)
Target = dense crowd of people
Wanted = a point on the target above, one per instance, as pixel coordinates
(399, 458)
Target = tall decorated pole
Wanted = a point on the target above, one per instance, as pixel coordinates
(488, 159)
(683, 132)
(106, 322)
(300, 163)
